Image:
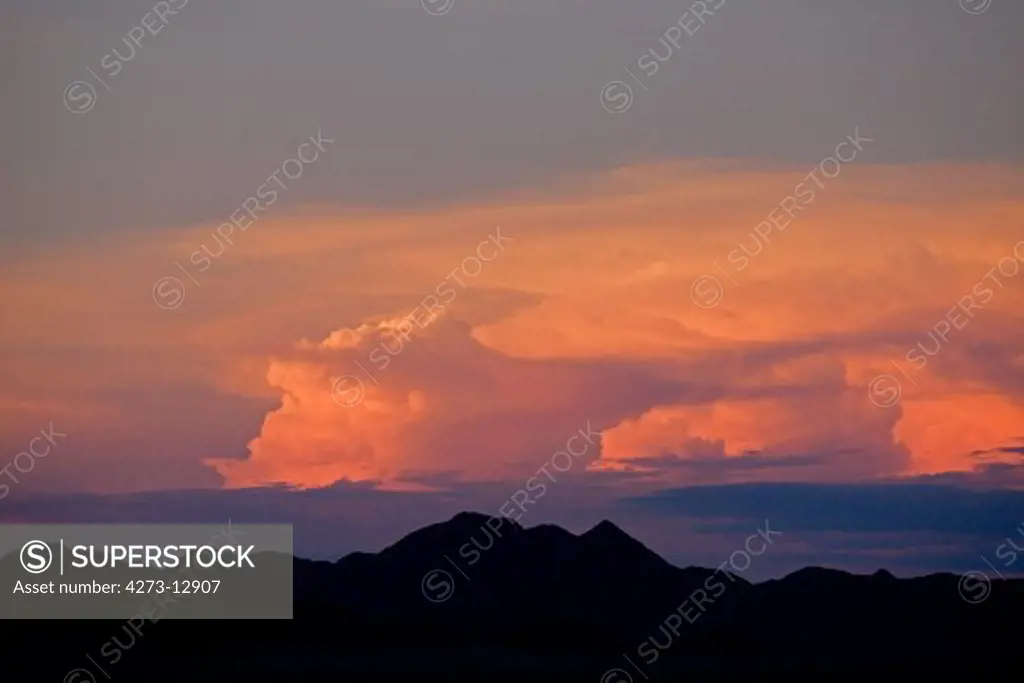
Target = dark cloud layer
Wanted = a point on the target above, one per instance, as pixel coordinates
(908, 528)
(874, 509)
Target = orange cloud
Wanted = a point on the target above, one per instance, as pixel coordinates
(588, 315)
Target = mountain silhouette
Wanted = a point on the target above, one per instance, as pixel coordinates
(475, 565)
(479, 597)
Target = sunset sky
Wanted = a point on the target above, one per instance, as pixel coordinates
(499, 246)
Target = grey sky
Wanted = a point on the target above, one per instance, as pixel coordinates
(493, 95)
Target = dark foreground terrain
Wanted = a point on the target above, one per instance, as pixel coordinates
(461, 601)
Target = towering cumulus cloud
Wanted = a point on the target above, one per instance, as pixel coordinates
(772, 381)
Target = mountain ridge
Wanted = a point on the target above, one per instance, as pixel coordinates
(545, 599)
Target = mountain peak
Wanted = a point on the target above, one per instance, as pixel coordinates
(479, 521)
(458, 530)
(468, 517)
(609, 538)
(607, 530)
